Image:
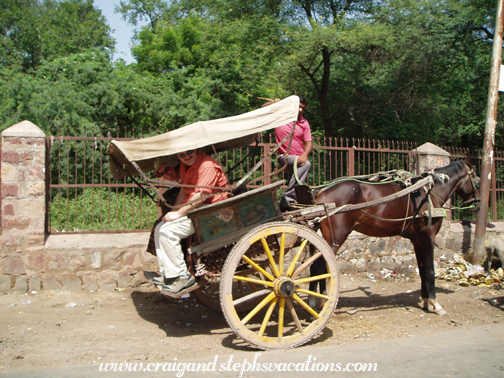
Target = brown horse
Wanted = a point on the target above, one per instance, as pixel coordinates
(402, 216)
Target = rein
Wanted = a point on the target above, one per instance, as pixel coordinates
(468, 176)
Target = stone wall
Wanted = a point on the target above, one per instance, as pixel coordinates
(362, 253)
(78, 262)
(113, 261)
(33, 261)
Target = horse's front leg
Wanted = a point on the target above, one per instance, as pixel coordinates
(335, 240)
(424, 251)
(316, 269)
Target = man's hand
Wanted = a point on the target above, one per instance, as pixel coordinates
(171, 216)
(302, 159)
(308, 148)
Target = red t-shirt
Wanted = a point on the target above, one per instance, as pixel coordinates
(204, 172)
(301, 135)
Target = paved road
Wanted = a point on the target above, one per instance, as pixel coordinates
(474, 352)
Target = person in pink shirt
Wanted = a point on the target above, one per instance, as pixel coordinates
(300, 148)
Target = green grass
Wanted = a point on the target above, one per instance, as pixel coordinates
(100, 209)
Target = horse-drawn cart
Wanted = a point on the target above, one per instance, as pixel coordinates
(271, 274)
(250, 260)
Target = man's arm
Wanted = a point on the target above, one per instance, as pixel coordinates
(308, 147)
(184, 210)
(270, 102)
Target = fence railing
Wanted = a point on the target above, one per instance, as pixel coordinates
(83, 197)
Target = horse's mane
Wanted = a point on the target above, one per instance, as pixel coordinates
(452, 169)
(444, 174)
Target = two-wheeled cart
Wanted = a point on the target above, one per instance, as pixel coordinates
(257, 265)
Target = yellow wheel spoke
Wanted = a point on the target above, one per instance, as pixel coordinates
(258, 308)
(267, 316)
(306, 264)
(253, 281)
(270, 257)
(281, 312)
(282, 253)
(305, 306)
(296, 257)
(312, 293)
(294, 315)
(258, 268)
(311, 279)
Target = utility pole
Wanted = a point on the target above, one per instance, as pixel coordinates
(489, 141)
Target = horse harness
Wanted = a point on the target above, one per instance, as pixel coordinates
(427, 184)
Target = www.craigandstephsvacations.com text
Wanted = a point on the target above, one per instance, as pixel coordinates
(240, 367)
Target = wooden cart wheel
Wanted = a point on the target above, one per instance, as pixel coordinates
(293, 262)
(208, 296)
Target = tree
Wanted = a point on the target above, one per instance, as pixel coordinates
(138, 10)
(227, 63)
(33, 30)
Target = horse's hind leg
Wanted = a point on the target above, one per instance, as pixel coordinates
(424, 252)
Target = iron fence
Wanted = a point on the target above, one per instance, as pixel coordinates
(83, 197)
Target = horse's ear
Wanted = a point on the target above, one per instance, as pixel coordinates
(467, 160)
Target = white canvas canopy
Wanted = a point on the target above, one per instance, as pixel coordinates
(220, 134)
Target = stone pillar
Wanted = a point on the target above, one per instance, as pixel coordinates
(23, 201)
(429, 157)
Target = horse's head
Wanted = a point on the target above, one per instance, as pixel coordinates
(468, 189)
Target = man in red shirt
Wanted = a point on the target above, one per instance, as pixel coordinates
(196, 169)
(300, 148)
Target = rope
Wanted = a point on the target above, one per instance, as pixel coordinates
(295, 171)
(451, 207)
(396, 179)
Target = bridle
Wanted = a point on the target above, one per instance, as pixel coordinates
(474, 183)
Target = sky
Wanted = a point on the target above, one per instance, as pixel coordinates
(122, 30)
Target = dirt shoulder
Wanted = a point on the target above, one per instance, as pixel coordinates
(51, 329)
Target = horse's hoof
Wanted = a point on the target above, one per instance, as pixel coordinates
(438, 309)
(427, 307)
(433, 306)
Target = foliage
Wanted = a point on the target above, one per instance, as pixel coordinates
(90, 96)
(32, 31)
(392, 69)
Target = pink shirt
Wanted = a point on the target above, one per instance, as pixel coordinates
(301, 135)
